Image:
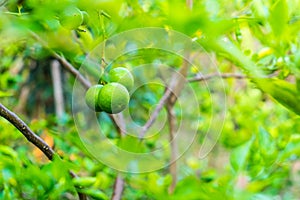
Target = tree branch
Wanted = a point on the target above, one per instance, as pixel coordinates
(172, 91)
(119, 182)
(26, 131)
(169, 99)
(174, 147)
(68, 66)
(155, 113)
(32, 137)
(118, 188)
(200, 77)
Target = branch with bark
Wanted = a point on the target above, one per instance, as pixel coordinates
(68, 66)
(173, 146)
(32, 137)
(73, 70)
(118, 188)
(200, 77)
(172, 91)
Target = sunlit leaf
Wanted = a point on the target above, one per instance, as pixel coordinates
(279, 17)
(282, 91)
(239, 156)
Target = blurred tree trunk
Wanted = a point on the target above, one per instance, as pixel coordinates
(57, 89)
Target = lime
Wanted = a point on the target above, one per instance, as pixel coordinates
(123, 76)
(91, 97)
(71, 18)
(113, 98)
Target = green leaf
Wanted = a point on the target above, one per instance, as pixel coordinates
(84, 181)
(279, 17)
(131, 144)
(264, 138)
(95, 193)
(192, 188)
(233, 53)
(239, 155)
(267, 147)
(7, 194)
(8, 151)
(282, 91)
(5, 94)
(157, 184)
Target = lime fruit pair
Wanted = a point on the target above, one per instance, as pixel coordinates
(114, 96)
(111, 98)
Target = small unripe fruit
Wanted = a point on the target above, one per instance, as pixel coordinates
(113, 98)
(91, 97)
(123, 76)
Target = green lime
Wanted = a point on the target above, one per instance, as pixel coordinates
(91, 97)
(113, 98)
(71, 18)
(123, 76)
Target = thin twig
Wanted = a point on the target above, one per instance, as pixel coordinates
(181, 80)
(169, 99)
(200, 77)
(118, 188)
(26, 131)
(172, 91)
(119, 182)
(73, 70)
(155, 113)
(68, 66)
(174, 147)
(32, 137)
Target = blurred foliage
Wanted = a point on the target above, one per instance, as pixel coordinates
(257, 155)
